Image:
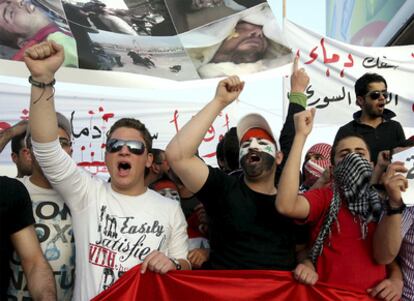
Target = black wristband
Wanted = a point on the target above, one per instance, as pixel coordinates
(398, 210)
(41, 85)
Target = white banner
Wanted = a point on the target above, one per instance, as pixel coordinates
(163, 106)
(407, 157)
(334, 67)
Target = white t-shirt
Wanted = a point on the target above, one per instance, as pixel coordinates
(54, 230)
(113, 232)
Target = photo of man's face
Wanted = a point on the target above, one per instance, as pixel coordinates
(21, 18)
(246, 44)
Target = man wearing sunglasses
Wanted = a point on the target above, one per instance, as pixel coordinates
(373, 122)
(117, 225)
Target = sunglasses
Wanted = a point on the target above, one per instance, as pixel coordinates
(374, 95)
(64, 142)
(115, 145)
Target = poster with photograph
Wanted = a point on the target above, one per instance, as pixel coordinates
(25, 23)
(130, 17)
(172, 39)
(407, 157)
(247, 42)
(153, 56)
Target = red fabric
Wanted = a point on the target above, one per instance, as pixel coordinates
(256, 133)
(221, 285)
(163, 184)
(193, 229)
(346, 259)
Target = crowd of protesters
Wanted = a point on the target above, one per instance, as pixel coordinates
(338, 218)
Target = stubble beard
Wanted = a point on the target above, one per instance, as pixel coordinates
(253, 171)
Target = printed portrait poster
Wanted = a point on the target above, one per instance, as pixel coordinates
(25, 23)
(243, 43)
(173, 39)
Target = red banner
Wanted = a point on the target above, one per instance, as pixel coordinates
(222, 285)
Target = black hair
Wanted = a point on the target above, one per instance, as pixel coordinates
(133, 124)
(231, 148)
(361, 85)
(336, 142)
(17, 143)
(157, 154)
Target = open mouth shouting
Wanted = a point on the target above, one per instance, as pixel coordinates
(124, 168)
(253, 158)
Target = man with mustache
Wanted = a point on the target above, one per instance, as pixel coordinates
(247, 44)
(373, 122)
(246, 232)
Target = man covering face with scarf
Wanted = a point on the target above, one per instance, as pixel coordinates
(317, 160)
(341, 216)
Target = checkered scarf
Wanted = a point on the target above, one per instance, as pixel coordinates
(351, 182)
(313, 169)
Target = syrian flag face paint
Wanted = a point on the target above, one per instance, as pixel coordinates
(258, 144)
(259, 140)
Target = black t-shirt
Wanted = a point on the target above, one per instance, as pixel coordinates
(188, 205)
(246, 231)
(15, 214)
(386, 136)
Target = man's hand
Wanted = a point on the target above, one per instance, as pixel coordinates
(324, 179)
(304, 122)
(389, 290)
(8, 134)
(383, 159)
(299, 79)
(395, 182)
(157, 262)
(229, 90)
(43, 60)
(305, 273)
(198, 256)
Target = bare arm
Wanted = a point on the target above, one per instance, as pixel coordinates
(383, 160)
(8, 134)
(389, 289)
(288, 202)
(158, 262)
(39, 275)
(43, 60)
(387, 236)
(183, 147)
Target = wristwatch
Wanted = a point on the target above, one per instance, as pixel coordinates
(398, 210)
(176, 263)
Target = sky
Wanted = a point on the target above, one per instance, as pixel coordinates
(298, 12)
